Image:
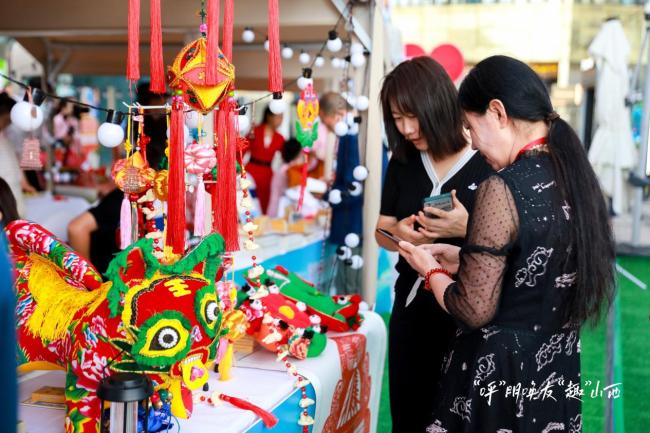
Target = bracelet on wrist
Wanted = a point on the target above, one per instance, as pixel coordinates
(427, 277)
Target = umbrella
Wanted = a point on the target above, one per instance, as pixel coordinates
(612, 152)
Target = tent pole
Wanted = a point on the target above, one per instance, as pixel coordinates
(373, 157)
(642, 168)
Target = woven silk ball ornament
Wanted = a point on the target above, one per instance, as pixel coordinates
(187, 77)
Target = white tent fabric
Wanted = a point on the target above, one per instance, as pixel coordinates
(612, 152)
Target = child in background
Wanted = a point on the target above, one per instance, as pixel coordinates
(290, 151)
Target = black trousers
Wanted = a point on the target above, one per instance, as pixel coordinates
(419, 336)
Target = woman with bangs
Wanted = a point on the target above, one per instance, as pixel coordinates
(431, 155)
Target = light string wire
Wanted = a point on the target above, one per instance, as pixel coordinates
(287, 84)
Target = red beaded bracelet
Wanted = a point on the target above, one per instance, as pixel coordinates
(427, 277)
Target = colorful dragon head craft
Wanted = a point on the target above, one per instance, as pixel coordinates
(163, 320)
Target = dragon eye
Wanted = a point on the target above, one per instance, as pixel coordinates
(208, 311)
(211, 312)
(163, 339)
(166, 338)
(341, 300)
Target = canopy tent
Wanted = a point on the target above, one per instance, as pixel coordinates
(90, 38)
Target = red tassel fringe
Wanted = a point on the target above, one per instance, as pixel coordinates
(275, 62)
(157, 66)
(133, 56)
(268, 418)
(226, 188)
(228, 22)
(176, 188)
(212, 47)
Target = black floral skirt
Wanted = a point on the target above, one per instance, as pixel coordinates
(500, 380)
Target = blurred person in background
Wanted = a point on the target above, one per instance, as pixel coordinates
(265, 142)
(9, 164)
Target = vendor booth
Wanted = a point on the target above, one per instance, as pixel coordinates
(209, 315)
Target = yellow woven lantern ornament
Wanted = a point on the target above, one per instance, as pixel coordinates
(188, 73)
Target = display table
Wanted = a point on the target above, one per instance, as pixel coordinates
(345, 383)
(54, 212)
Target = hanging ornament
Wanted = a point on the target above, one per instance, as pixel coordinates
(243, 121)
(352, 240)
(27, 114)
(31, 156)
(187, 75)
(334, 197)
(192, 119)
(334, 43)
(360, 173)
(157, 68)
(110, 133)
(362, 103)
(277, 104)
(356, 262)
(287, 52)
(343, 252)
(133, 46)
(355, 189)
(275, 63)
(356, 48)
(248, 35)
(200, 159)
(341, 128)
(306, 128)
(358, 60)
(305, 79)
(175, 230)
(304, 57)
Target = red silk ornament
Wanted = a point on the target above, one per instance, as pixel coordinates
(212, 46)
(275, 62)
(176, 189)
(133, 56)
(157, 66)
(228, 21)
(187, 75)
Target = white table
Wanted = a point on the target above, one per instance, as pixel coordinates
(257, 377)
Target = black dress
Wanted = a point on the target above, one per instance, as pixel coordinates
(419, 334)
(515, 364)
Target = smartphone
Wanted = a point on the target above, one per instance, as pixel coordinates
(389, 235)
(442, 201)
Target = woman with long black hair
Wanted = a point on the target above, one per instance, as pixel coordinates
(431, 156)
(537, 263)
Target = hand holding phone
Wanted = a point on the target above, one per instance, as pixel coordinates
(389, 235)
(442, 202)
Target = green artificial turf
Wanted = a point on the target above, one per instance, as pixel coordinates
(634, 333)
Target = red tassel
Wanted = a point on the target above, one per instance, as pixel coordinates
(227, 175)
(212, 46)
(275, 62)
(176, 178)
(133, 56)
(228, 22)
(157, 66)
(268, 418)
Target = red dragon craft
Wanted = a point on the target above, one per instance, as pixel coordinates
(161, 319)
